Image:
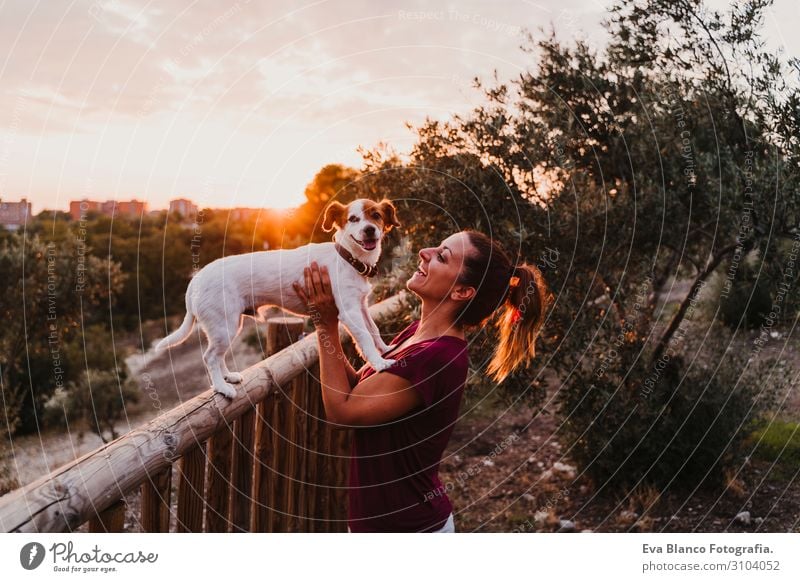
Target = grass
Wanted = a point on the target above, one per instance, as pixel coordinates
(778, 442)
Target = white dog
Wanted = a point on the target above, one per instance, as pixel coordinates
(227, 289)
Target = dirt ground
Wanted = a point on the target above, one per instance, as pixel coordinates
(506, 473)
(503, 470)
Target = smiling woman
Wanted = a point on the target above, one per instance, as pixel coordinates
(404, 415)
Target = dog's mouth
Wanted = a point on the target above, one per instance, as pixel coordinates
(368, 244)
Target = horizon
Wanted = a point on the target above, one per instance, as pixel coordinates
(118, 99)
(160, 209)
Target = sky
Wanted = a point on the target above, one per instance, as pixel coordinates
(240, 103)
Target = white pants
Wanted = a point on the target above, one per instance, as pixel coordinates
(448, 527)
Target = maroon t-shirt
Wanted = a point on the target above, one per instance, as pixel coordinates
(394, 470)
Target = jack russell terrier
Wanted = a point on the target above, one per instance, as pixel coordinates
(225, 290)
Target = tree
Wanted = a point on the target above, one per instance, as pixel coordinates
(47, 294)
(332, 182)
(671, 152)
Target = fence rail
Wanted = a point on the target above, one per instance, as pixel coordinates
(264, 461)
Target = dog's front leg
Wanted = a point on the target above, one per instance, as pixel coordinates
(352, 317)
(373, 328)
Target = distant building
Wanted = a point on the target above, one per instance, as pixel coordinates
(183, 206)
(14, 214)
(130, 208)
(78, 209)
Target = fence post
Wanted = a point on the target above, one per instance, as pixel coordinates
(156, 495)
(244, 460)
(191, 488)
(275, 494)
(112, 520)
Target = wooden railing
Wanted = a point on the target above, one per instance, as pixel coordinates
(265, 461)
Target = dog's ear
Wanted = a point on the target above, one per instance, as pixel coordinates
(334, 214)
(389, 215)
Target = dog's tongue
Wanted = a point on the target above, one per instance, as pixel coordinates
(370, 244)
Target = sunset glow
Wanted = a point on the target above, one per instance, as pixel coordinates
(240, 104)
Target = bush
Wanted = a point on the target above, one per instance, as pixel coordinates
(678, 424)
(747, 300)
(97, 400)
(8, 482)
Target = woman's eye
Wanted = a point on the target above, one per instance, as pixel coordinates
(441, 258)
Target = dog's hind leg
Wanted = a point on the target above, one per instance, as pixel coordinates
(219, 342)
(232, 377)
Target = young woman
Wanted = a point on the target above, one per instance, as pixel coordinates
(404, 415)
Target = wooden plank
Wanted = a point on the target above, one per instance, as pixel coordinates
(276, 499)
(342, 443)
(64, 499)
(242, 472)
(191, 486)
(219, 481)
(314, 440)
(297, 498)
(111, 520)
(156, 495)
(281, 333)
(261, 512)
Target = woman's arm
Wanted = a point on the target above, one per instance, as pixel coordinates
(379, 398)
(352, 375)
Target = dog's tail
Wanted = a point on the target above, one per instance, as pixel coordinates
(179, 335)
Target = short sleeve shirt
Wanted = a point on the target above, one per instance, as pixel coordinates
(394, 471)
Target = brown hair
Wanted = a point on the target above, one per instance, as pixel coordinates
(489, 269)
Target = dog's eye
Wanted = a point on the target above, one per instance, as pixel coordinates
(375, 215)
(353, 218)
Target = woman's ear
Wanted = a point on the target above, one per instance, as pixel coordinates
(462, 293)
(389, 214)
(334, 215)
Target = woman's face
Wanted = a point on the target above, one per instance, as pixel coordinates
(439, 268)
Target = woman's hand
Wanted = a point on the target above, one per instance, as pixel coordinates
(318, 297)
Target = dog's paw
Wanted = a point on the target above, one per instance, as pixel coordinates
(382, 364)
(225, 389)
(234, 377)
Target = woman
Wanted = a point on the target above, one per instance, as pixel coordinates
(404, 415)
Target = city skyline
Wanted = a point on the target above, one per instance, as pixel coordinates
(113, 99)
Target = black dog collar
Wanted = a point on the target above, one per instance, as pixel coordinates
(360, 267)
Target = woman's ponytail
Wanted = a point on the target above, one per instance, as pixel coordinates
(518, 295)
(520, 321)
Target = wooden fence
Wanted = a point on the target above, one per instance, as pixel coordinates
(266, 461)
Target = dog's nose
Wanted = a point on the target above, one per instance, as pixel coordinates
(369, 230)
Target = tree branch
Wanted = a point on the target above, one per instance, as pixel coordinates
(713, 263)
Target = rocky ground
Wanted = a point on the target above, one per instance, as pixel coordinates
(506, 473)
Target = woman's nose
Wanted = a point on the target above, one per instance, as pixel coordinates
(423, 254)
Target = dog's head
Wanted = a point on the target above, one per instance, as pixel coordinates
(360, 225)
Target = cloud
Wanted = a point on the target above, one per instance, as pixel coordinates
(290, 81)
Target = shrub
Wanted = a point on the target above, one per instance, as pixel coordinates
(747, 300)
(97, 400)
(679, 423)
